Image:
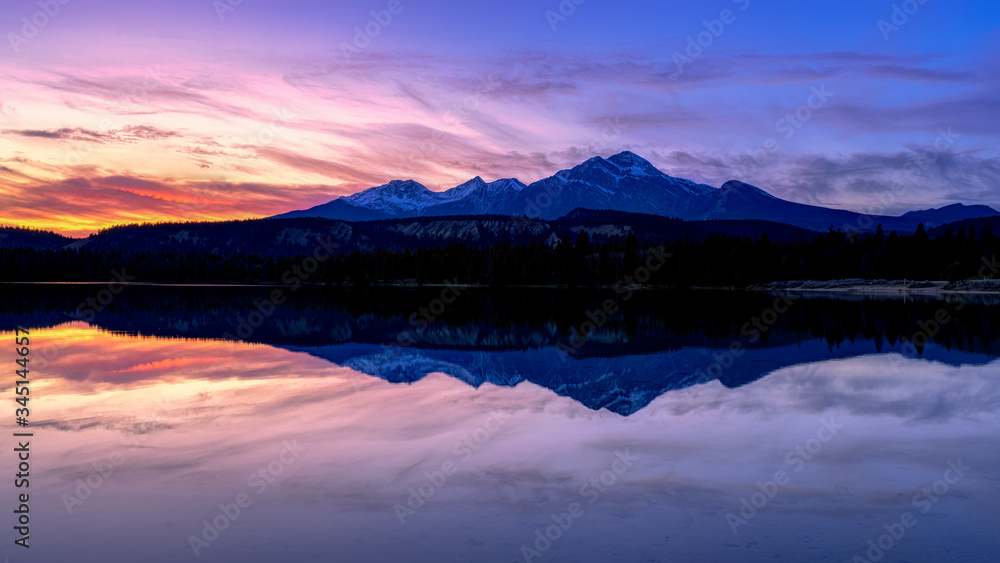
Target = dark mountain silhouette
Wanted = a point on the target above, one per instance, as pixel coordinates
(20, 237)
(981, 224)
(289, 237)
(585, 248)
(337, 208)
(952, 213)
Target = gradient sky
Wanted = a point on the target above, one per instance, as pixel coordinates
(120, 111)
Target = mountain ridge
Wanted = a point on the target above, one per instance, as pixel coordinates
(622, 182)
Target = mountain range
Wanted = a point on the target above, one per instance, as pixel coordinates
(623, 182)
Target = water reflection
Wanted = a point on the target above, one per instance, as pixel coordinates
(620, 358)
(191, 420)
(461, 444)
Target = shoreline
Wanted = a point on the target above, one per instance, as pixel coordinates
(883, 287)
(844, 286)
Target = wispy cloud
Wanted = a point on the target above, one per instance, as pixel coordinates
(892, 181)
(127, 134)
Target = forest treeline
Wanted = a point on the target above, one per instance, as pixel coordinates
(718, 260)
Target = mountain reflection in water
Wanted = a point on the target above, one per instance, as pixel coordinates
(638, 349)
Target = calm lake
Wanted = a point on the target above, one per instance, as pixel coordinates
(453, 424)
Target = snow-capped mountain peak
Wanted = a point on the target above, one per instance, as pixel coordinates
(507, 184)
(396, 196)
(629, 163)
(623, 182)
(462, 190)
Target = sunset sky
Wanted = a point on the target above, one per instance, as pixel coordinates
(115, 111)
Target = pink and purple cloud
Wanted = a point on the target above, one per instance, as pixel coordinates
(113, 112)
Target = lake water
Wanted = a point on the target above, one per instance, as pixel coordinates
(497, 426)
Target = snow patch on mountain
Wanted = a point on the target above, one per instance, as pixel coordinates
(394, 197)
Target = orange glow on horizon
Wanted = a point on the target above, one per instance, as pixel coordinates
(77, 229)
